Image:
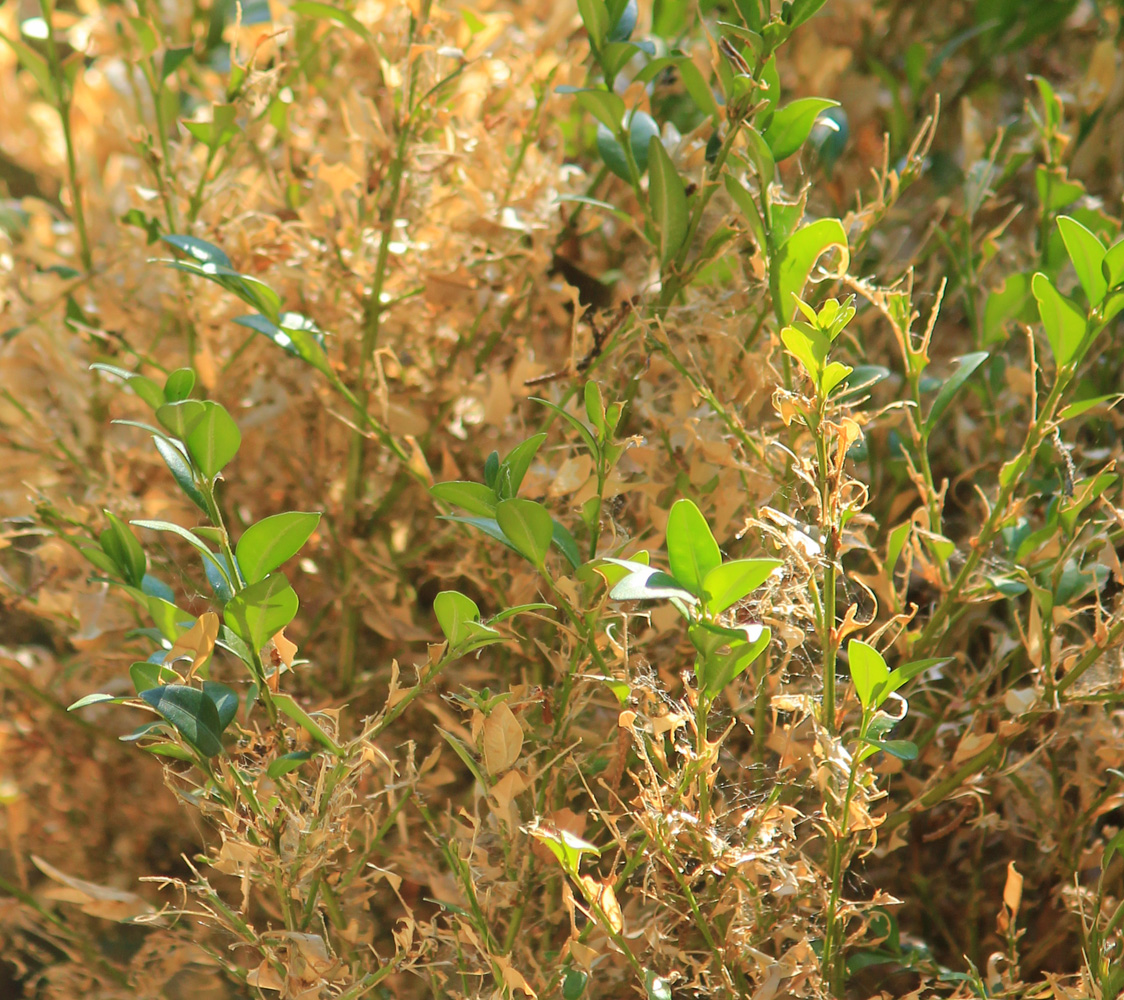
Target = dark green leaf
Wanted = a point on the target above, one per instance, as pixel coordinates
(121, 545)
(180, 468)
(193, 714)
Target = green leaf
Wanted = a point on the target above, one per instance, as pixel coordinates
(213, 439)
(519, 609)
(295, 334)
(1063, 320)
(528, 526)
(1055, 189)
(287, 763)
(901, 675)
(583, 432)
(147, 675)
(868, 670)
(595, 17)
(515, 466)
(326, 12)
(476, 498)
(190, 537)
(226, 701)
(257, 613)
(287, 705)
(1112, 266)
(180, 468)
(799, 255)
(725, 653)
(951, 386)
(692, 551)
(902, 749)
(1084, 405)
(179, 417)
(266, 545)
(96, 699)
(1087, 254)
(612, 153)
(646, 583)
(729, 583)
(894, 545)
(144, 387)
(594, 405)
(792, 124)
(642, 129)
(565, 543)
(489, 525)
(567, 847)
(121, 545)
(604, 105)
(667, 200)
(179, 385)
(1005, 304)
(174, 58)
(693, 81)
(656, 987)
(454, 610)
(193, 714)
(197, 249)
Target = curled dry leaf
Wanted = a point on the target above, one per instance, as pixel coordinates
(96, 900)
(601, 894)
(503, 739)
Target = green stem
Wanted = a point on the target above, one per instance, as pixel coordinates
(357, 448)
(62, 92)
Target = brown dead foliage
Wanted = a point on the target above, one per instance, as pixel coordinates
(409, 865)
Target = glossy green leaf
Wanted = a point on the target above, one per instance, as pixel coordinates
(179, 384)
(96, 699)
(792, 124)
(646, 583)
(147, 675)
(868, 670)
(799, 255)
(1112, 266)
(692, 551)
(667, 200)
(257, 613)
(728, 583)
(271, 541)
(193, 714)
(179, 417)
(454, 610)
(180, 468)
(565, 543)
(1063, 321)
(190, 537)
(1087, 254)
(213, 439)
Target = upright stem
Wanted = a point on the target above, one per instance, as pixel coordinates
(357, 449)
(62, 87)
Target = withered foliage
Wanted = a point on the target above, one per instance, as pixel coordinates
(553, 816)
